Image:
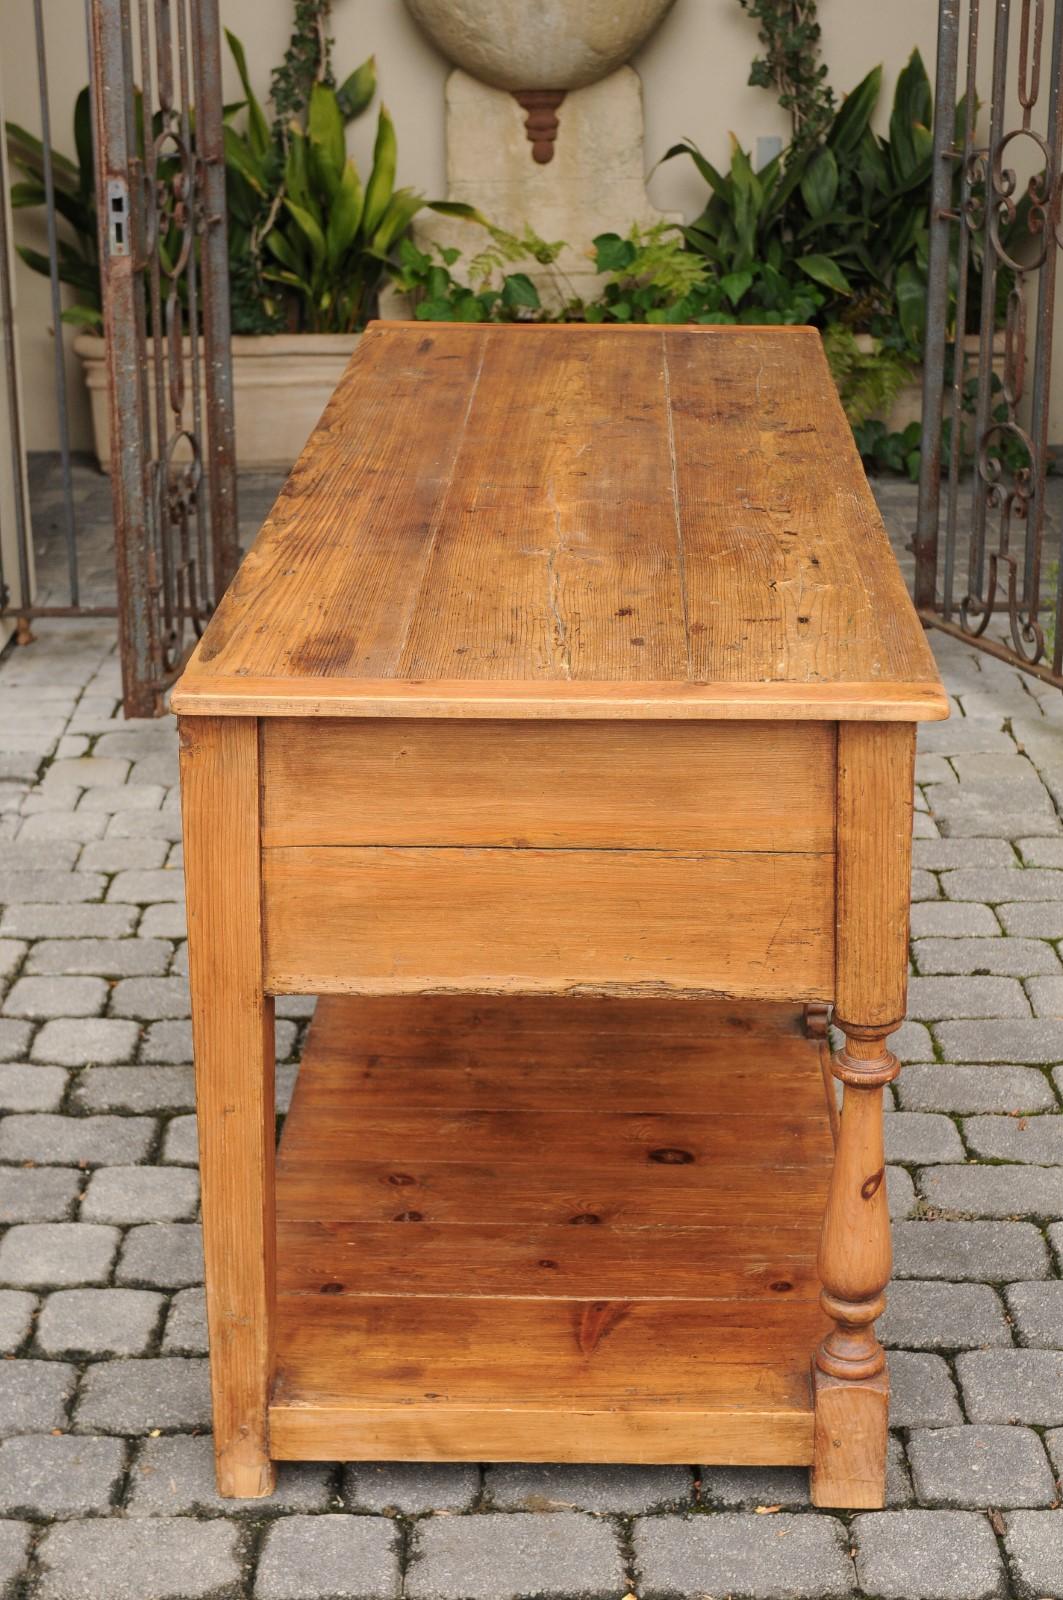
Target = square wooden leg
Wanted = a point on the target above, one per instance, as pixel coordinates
(232, 1026)
(849, 1459)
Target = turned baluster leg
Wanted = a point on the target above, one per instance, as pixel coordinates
(852, 1392)
(874, 819)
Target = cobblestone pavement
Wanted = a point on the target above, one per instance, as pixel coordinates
(106, 1490)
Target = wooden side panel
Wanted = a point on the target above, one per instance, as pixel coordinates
(232, 1028)
(548, 921)
(876, 764)
(710, 786)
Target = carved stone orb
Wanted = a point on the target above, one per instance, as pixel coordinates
(554, 44)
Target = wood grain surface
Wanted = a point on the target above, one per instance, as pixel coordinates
(612, 785)
(378, 920)
(574, 508)
(445, 1289)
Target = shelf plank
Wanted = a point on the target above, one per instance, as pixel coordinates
(551, 1261)
(520, 1278)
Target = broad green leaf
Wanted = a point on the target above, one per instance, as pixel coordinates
(27, 152)
(279, 246)
(404, 206)
(83, 143)
(910, 290)
(239, 156)
(356, 91)
(735, 284)
(296, 175)
(518, 291)
(311, 231)
(83, 317)
(257, 127)
(325, 126)
(612, 253)
(345, 214)
(712, 177)
(826, 271)
(27, 193)
(381, 183)
(912, 107)
(819, 185)
(854, 115)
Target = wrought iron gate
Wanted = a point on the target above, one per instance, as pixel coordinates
(159, 193)
(157, 104)
(988, 560)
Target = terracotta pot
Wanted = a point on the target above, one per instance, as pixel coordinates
(555, 44)
(281, 385)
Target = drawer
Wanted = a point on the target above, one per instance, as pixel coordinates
(388, 920)
(729, 786)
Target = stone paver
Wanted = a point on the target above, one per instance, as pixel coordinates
(514, 1553)
(927, 1555)
(778, 1557)
(98, 1322)
(345, 1558)
(980, 1466)
(1012, 1385)
(134, 1397)
(129, 1560)
(59, 1475)
(174, 1476)
(1034, 1542)
(36, 1254)
(104, 1402)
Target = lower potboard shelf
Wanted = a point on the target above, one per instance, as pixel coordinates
(550, 1230)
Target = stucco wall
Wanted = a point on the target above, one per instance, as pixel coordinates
(693, 70)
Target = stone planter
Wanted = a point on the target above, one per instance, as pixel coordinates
(281, 385)
(908, 406)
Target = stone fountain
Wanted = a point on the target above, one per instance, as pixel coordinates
(544, 119)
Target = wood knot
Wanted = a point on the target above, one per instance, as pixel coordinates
(668, 1157)
(409, 1216)
(871, 1186)
(331, 1288)
(585, 1219)
(401, 1180)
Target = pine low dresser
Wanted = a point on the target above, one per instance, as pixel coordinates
(557, 732)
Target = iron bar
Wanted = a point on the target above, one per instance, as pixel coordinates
(14, 408)
(217, 331)
(926, 534)
(61, 397)
(959, 329)
(123, 325)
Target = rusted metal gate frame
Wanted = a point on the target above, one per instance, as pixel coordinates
(174, 553)
(997, 585)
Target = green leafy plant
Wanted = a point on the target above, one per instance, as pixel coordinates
(868, 380)
(790, 34)
(78, 257)
(313, 240)
(490, 294)
(653, 276)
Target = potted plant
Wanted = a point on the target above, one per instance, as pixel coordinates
(309, 243)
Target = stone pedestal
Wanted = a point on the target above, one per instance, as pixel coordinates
(593, 183)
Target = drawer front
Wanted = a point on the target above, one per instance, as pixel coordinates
(704, 786)
(385, 920)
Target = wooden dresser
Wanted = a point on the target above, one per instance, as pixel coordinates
(558, 732)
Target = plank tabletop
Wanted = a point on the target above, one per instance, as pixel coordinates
(573, 522)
